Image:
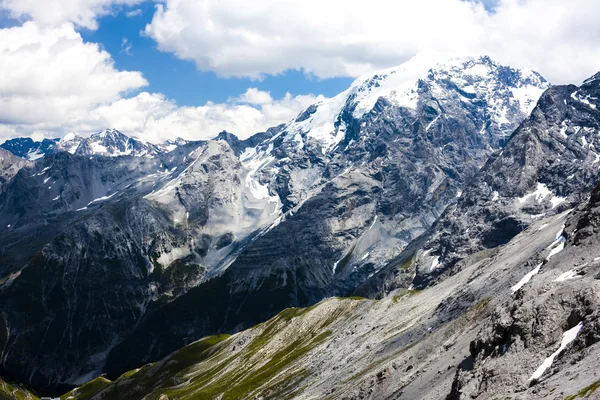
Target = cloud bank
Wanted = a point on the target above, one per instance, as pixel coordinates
(52, 82)
(340, 38)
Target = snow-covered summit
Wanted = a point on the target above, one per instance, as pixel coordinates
(112, 143)
(501, 89)
(69, 143)
(172, 144)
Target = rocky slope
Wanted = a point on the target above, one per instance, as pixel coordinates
(486, 332)
(549, 164)
(167, 247)
(28, 148)
(9, 166)
(109, 142)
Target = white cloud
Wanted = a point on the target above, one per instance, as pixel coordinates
(254, 96)
(152, 117)
(83, 13)
(341, 38)
(126, 46)
(50, 76)
(52, 83)
(134, 13)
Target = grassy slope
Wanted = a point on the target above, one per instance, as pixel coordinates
(265, 360)
(13, 392)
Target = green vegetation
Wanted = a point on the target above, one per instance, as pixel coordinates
(218, 367)
(586, 392)
(478, 308)
(87, 390)
(352, 298)
(13, 392)
(404, 293)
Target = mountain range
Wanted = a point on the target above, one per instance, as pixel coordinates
(433, 189)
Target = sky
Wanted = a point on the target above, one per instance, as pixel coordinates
(186, 68)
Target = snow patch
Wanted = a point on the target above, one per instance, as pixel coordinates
(568, 337)
(435, 263)
(526, 278)
(540, 194)
(572, 274)
(103, 198)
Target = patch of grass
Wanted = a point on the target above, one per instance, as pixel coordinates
(13, 392)
(88, 390)
(190, 354)
(352, 298)
(586, 392)
(408, 262)
(479, 307)
(405, 294)
(207, 369)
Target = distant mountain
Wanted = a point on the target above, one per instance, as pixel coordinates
(133, 257)
(170, 145)
(9, 166)
(69, 143)
(111, 142)
(29, 149)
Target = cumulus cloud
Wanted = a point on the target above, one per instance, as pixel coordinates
(83, 13)
(254, 96)
(340, 38)
(52, 83)
(153, 117)
(49, 75)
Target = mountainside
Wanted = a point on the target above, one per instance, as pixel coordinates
(549, 165)
(521, 323)
(109, 142)
(9, 166)
(346, 209)
(119, 252)
(29, 149)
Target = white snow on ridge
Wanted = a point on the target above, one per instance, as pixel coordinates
(399, 86)
(571, 274)
(435, 263)
(540, 194)
(35, 155)
(526, 278)
(254, 162)
(103, 198)
(568, 337)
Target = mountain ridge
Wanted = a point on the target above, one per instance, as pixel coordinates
(220, 235)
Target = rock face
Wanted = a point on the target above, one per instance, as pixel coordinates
(353, 193)
(29, 149)
(483, 332)
(166, 245)
(112, 143)
(550, 327)
(550, 163)
(9, 166)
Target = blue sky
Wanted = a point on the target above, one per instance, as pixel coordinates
(180, 79)
(203, 66)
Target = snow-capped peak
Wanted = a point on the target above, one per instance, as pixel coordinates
(503, 89)
(68, 137)
(172, 144)
(70, 142)
(112, 143)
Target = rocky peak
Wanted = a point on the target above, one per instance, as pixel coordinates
(69, 143)
(111, 142)
(28, 148)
